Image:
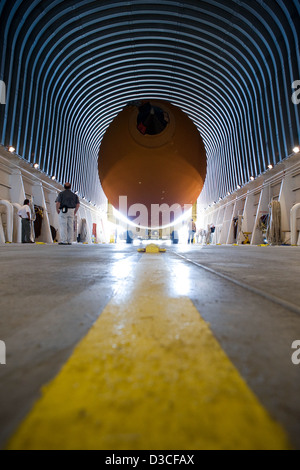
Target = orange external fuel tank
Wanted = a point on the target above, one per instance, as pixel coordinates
(153, 154)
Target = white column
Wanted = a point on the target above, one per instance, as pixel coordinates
(2, 235)
(83, 214)
(226, 222)
(262, 209)
(9, 219)
(17, 224)
(17, 192)
(286, 199)
(230, 236)
(39, 200)
(53, 215)
(294, 231)
(249, 214)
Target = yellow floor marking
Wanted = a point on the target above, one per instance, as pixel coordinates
(149, 375)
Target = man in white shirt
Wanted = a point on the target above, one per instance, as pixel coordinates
(25, 214)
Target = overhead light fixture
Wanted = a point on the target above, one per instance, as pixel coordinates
(53, 178)
(36, 166)
(11, 149)
(270, 167)
(252, 178)
(296, 149)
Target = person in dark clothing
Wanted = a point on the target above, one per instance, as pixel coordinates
(67, 205)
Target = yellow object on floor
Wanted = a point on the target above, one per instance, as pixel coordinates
(152, 248)
(149, 375)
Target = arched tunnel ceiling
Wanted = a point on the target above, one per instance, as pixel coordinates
(71, 66)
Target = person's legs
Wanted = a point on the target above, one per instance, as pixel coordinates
(23, 230)
(27, 231)
(63, 227)
(70, 226)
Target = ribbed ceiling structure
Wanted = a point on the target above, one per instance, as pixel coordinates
(71, 66)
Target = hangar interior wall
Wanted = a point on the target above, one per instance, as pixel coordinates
(252, 202)
(19, 181)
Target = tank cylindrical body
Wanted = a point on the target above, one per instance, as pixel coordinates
(152, 153)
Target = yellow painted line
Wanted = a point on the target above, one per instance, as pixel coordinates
(149, 375)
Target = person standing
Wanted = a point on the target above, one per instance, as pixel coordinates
(192, 231)
(25, 214)
(67, 205)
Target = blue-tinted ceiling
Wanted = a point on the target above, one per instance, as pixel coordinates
(71, 66)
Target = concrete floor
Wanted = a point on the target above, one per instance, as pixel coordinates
(51, 296)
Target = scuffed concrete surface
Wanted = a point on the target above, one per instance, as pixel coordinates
(52, 295)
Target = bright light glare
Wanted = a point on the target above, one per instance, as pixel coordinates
(296, 149)
(147, 242)
(187, 214)
(183, 235)
(121, 269)
(181, 281)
